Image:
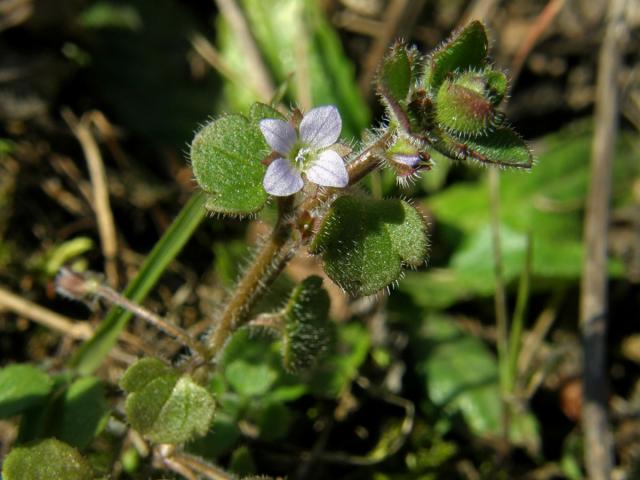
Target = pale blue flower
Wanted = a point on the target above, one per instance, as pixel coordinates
(306, 151)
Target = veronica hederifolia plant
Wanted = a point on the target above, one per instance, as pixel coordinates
(448, 102)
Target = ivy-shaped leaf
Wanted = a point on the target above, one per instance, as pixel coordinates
(226, 157)
(166, 407)
(365, 243)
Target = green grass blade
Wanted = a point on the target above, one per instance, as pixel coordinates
(92, 353)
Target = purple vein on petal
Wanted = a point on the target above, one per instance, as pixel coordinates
(321, 127)
(280, 136)
(328, 170)
(282, 179)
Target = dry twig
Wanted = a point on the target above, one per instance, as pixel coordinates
(101, 206)
(593, 305)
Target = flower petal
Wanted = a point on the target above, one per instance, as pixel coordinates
(328, 170)
(280, 136)
(321, 126)
(282, 179)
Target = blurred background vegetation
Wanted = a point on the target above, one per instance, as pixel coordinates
(410, 389)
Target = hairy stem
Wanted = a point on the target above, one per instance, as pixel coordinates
(271, 259)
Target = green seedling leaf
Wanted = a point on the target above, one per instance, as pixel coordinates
(82, 412)
(461, 375)
(22, 387)
(171, 409)
(365, 243)
(226, 157)
(501, 146)
(305, 334)
(466, 49)
(142, 372)
(464, 111)
(48, 459)
(250, 380)
(90, 355)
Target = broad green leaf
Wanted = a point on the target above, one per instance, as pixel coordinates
(48, 459)
(142, 372)
(364, 243)
(82, 412)
(91, 354)
(461, 375)
(169, 409)
(465, 49)
(226, 158)
(21, 387)
(250, 379)
(306, 332)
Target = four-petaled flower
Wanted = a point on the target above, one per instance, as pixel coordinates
(304, 151)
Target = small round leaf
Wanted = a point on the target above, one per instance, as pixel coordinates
(363, 245)
(226, 156)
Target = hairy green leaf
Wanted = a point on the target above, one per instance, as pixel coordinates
(142, 372)
(170, 409)
(305, 334)
(464, 111)
(465, 49)
(500, 146)
(226, 157)
(364, 243)
(48, 459)
(394, 77)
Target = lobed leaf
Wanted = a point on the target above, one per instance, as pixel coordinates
(142, 372)
(226, 157)
(48, 459)
(162, 405)
(364, 242)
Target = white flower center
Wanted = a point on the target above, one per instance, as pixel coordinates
(302, 157)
